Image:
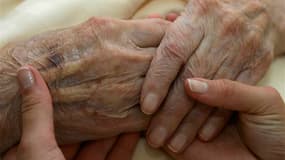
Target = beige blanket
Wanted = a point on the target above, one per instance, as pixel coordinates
(23, 18)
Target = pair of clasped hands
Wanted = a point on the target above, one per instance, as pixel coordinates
(260, 133)
(212, 39)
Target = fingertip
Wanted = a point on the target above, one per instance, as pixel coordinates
(205, 135)
(147, 33)
(215, 124)
(25, 78)
(157, 136)
(28, 78)
(187, 86)
(178, 143)
(172, 16)
(32, 85)
(196, 86)
(150, 103)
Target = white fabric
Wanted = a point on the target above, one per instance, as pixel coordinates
(275, 77)
(34, 16)
(24, 18)
(160, 6)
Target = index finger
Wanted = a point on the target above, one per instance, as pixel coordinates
(180, 41)
(234, 95)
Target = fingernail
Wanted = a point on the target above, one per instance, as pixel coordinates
(157, 136)
(206, 133)
(150, 103)
(25, 78)
(177, 143)
(197, 86)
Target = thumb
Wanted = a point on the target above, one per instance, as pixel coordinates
(37, 111)
(233, 95)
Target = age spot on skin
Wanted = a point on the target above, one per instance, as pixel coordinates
(56, 59)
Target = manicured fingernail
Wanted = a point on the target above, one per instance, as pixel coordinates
(25, 78)
(177, 143)
(197, 86)
(150, 103)
(157, 136)
(206, 133)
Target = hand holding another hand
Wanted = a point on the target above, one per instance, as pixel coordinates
(38, 139)
(260, 125)
(213, 39)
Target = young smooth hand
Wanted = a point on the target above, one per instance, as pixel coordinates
(38, 139)
(261, 113)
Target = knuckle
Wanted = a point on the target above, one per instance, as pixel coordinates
(257, 4)
(96, 26)
(255, 7)
(205, 6)
(253, 42)
(225, 88)
(95, 21)
(255, 38)
(162, 72)
(233, 24)
(174, 52)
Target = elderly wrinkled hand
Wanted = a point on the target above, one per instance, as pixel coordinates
(94, 71)
(212, 39)
(38, 138)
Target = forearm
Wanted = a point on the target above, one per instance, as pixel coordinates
(276, 12)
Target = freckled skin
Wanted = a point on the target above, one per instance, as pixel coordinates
(94, 72)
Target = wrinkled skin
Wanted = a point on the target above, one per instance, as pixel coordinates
(232, 39)
(94, 72)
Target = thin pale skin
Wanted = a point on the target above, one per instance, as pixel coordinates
(99, 121)
(94, 72)
(231, 39)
